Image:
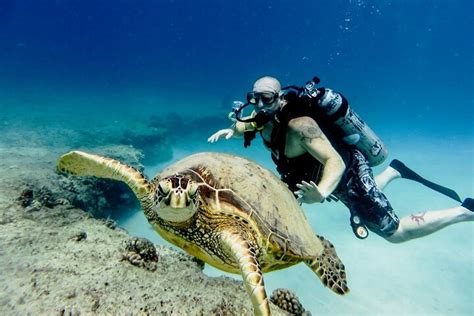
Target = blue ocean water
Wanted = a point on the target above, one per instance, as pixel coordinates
(406, 67)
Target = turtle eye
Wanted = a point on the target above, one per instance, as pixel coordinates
(164, 188)
(192, 190)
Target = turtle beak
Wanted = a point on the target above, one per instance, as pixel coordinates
(179, 199)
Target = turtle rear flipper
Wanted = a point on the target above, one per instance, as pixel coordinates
(329, 268)
(79, 163)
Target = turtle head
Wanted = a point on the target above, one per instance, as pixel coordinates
(177, 198)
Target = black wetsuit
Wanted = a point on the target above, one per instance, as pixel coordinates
(357, 188)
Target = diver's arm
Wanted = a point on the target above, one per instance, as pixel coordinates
(241, 127)
(234, 131)
(312, 140)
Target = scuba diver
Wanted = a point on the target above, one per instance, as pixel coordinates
(324, 151)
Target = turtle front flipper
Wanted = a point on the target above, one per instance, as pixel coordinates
(79, 163)
(245, 256)
(329, 268)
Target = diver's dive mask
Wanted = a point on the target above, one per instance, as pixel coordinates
(258, 120)
(263, 116)
(266, 97)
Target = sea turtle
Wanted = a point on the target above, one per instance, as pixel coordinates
(227, 211)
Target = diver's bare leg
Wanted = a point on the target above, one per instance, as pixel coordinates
(386, 176)
(422, 224)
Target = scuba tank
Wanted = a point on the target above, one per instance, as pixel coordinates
(337, 112)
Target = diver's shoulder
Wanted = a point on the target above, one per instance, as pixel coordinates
(302, 122)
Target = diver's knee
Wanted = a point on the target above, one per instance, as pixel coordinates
(399, 235)
(396, 238)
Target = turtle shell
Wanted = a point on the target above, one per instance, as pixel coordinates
(254, 193)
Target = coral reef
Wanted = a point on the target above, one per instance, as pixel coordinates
(100, 197)
(141, 252)
(34, 199)
(289, 302)
(97, 196)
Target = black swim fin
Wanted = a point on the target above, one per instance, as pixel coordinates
(469, 204)
(407, 173)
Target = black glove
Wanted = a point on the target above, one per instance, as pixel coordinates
(248, 137)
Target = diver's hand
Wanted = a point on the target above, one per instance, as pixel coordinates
(226, 132)
(309, 193)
